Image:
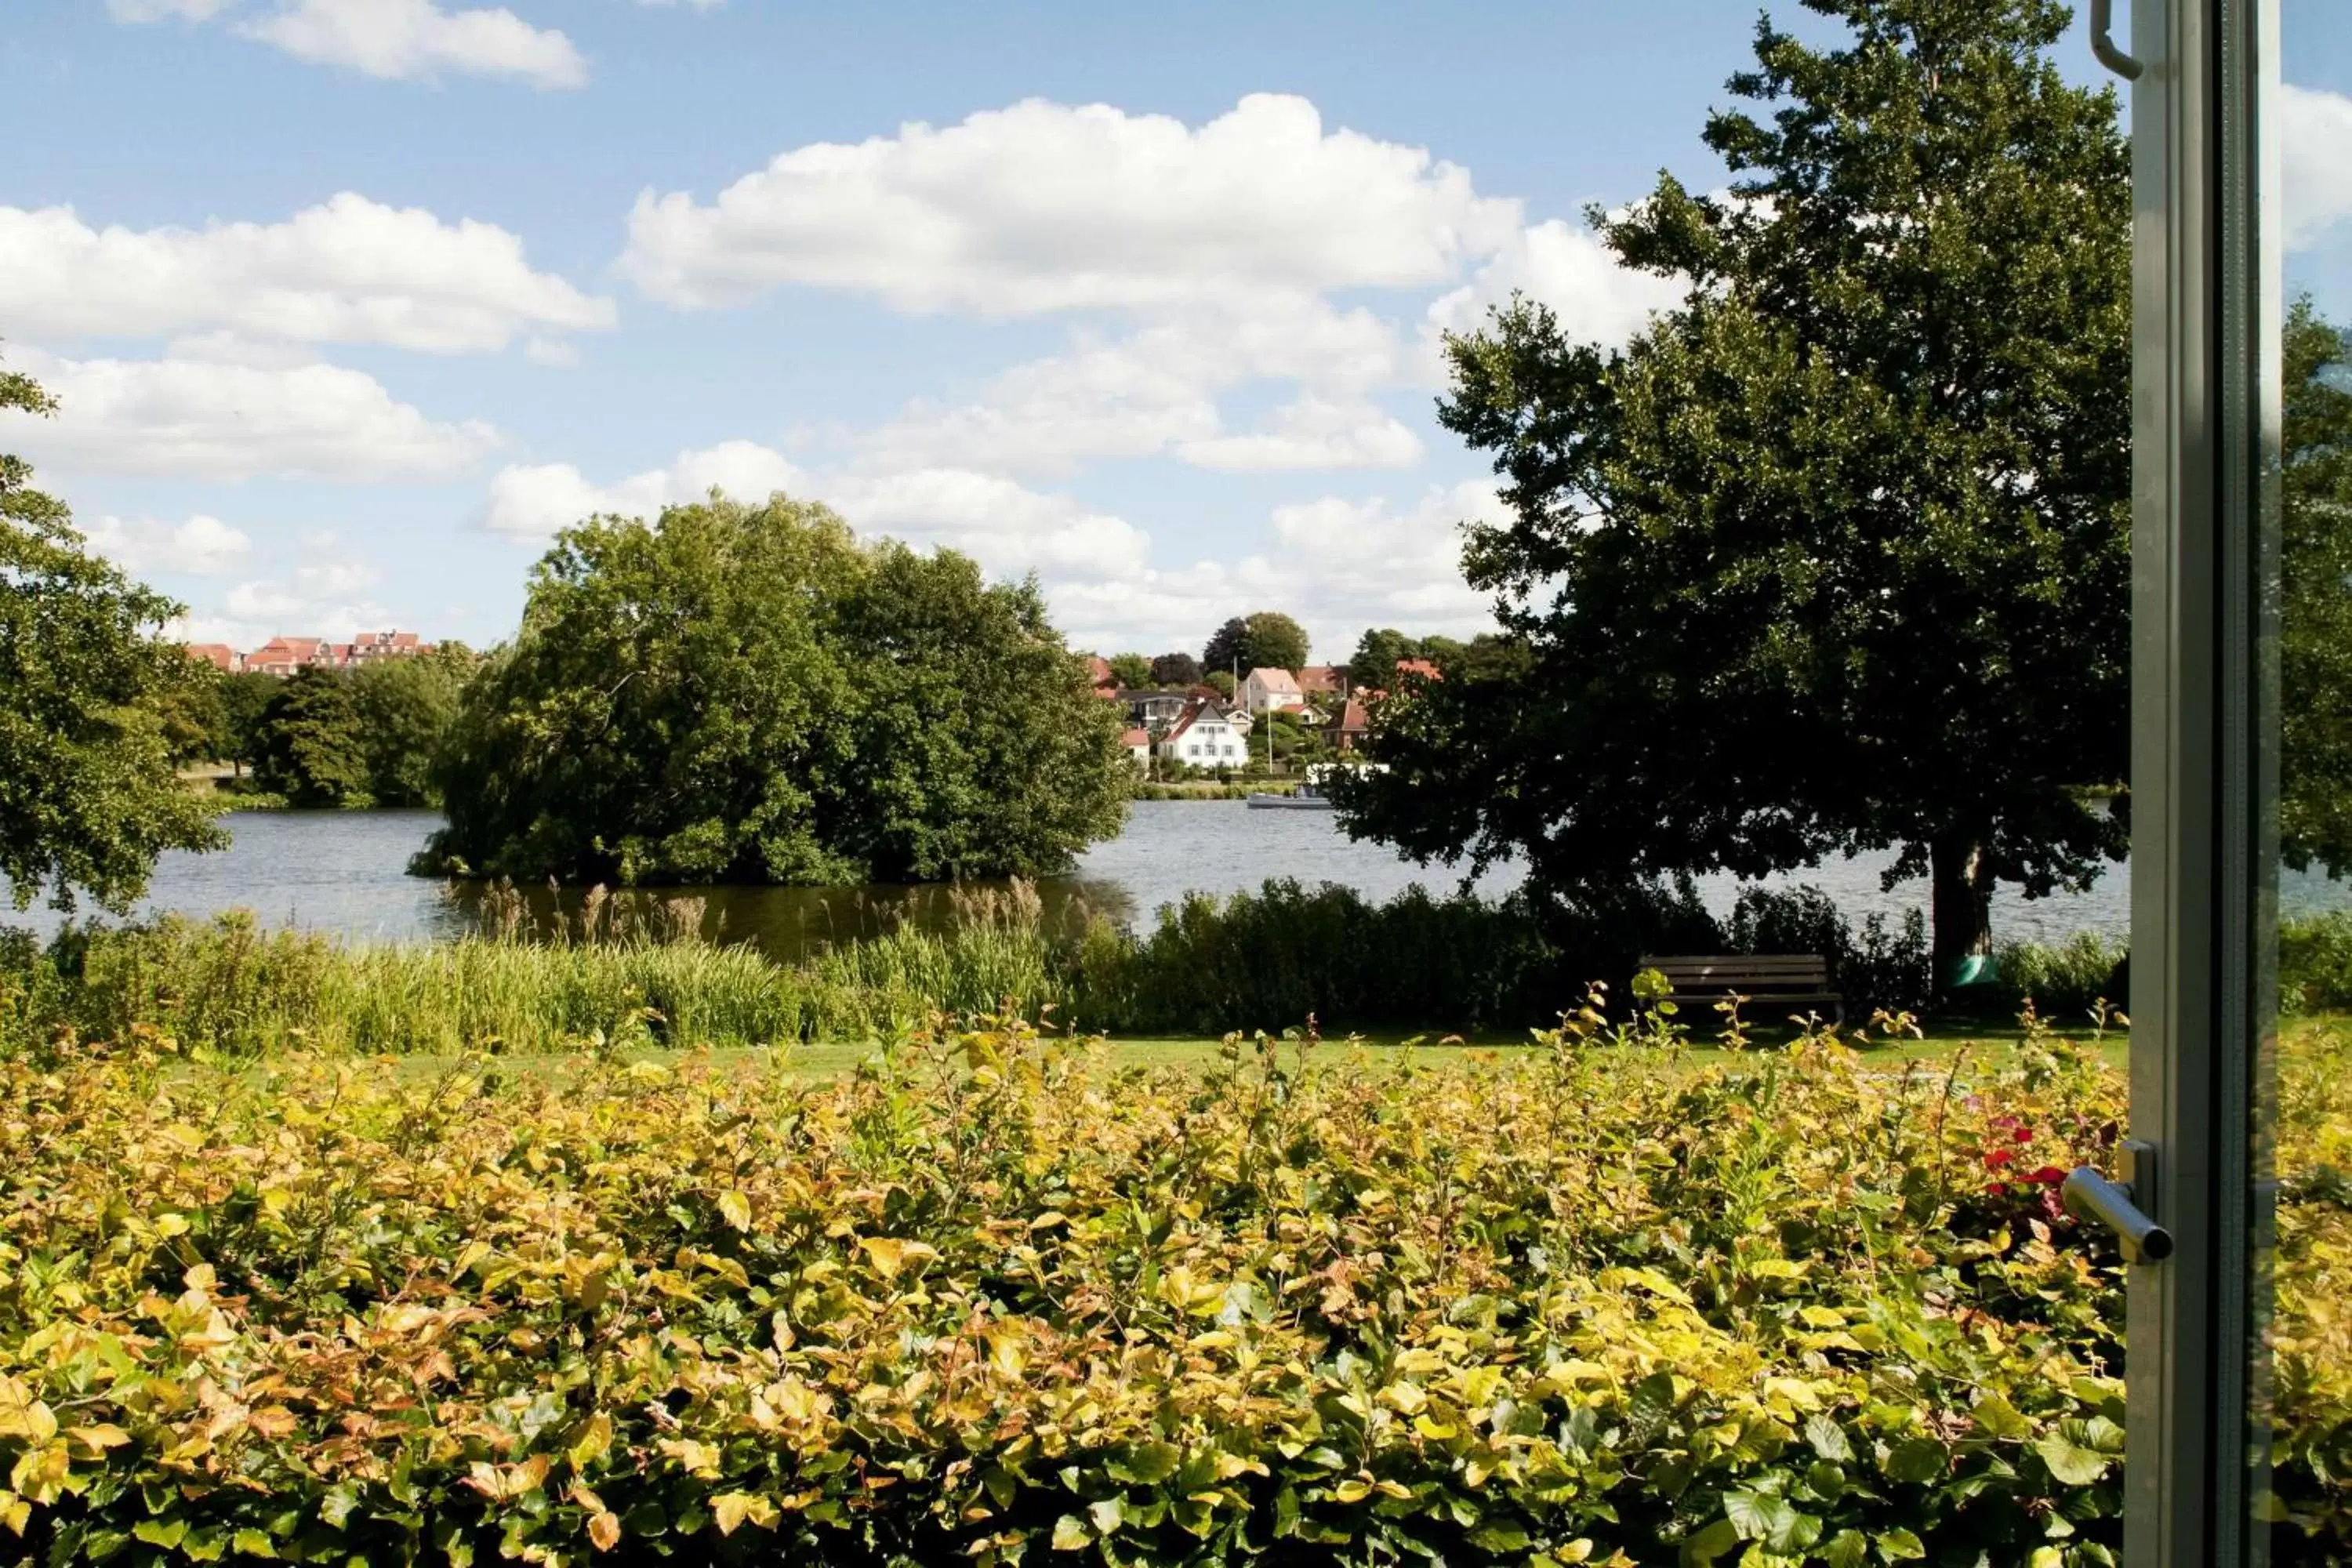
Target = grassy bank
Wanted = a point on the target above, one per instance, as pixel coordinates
(1269, 961)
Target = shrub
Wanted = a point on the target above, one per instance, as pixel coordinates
(988, 1297)
(2316, 963)
(1876, 967)
(2067, 981)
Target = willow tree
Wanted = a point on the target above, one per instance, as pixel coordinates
(1834, 555)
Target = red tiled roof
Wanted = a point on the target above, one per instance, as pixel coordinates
(1321, 678)
(1418, 666)
(1352, 718)
(1135, 738)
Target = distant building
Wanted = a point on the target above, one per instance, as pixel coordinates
(1139, 747)
(1323, 680)
(282, 655)
(1207, 737)
(1105, 683)
(1420, 667)
(1347, 731)
(1271, 691)
(219, 655)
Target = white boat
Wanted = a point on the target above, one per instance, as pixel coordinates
(1308, 798)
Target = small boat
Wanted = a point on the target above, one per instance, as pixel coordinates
(1308, 798)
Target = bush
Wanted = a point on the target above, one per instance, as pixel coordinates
(2067, 981)
(988, 1298)
(2316, 963)
(1875, 967)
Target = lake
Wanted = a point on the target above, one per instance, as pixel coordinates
(342, 872)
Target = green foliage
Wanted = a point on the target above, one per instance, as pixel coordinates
(986, 1297)
(407, 707)
(1131, 671)
(2316, 619)
(1373, 667)
(194, 716)
(1263, 639)
(93, 706)
(739, 693)
(245, 696)
(1876, 967)
(2315, 962)
(2067, 981)
(1835, 555)
(1220, 681)
(313, 743)
(1175, 669)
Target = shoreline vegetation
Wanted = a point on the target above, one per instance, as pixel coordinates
(1272, 960)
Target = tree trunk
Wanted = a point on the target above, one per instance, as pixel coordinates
(1960, 904)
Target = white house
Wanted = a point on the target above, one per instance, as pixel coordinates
(1139, 747)
(1206, 737)
(1272, 692)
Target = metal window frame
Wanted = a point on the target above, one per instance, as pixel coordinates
(2206, 320)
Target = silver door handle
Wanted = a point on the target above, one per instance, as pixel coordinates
(2093, 1197)
(2103, 43)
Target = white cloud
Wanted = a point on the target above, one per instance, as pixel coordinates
(1338, 565)
(689, 5)
(1565, 266)
(1313, 433)
(348, 270)
(1156, 390)
(401, 40)
(208, 420)
(323, 593)
(534, 501)
(201, 547)
(2315, 157)
(1043, 207)
(1009, 528)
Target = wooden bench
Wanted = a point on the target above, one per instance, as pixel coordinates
(1796, 979)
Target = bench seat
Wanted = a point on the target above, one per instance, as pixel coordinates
(1801, 979)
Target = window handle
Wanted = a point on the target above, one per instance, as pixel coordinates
(2092, 1197)
(2103, 43)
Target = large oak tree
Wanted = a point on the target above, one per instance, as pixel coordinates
(750, 694)
(1833, 556)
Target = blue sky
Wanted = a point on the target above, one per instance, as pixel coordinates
(351, 301)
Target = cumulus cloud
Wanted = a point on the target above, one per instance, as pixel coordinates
(410, 39)
(1155, 390)
(325, 591)
(1008, 528)
(200, 547)
(348, 270)
(533, 500)
(1043, 207)
(206, 420)
(2316, 155)
(1561, 264)
(1312, 432)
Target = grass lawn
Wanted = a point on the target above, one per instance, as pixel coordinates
(1987, 1042)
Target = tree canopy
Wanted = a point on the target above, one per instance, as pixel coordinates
(1263, 639)
(89, 797)
(2315, 622)
(1131, 671)
(1175, 669)
(312, 748)
(742, 693)
(1834, 555)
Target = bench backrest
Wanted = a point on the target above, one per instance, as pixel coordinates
(1743, 971)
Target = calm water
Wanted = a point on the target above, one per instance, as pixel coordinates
(342, 872)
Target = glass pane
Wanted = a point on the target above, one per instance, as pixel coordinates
(2305, 1513)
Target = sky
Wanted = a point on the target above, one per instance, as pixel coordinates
(350, 304)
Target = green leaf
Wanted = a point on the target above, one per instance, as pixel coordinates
(1070, 1534)
(252, 1543)
(2071, 1464)
(1846, 1549)
(166, 1533)
(1920, 1460)
(1828, 1439)
(1146, 1464)
(1899, 1545)
(1106, 1514)
(1997, 1418)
